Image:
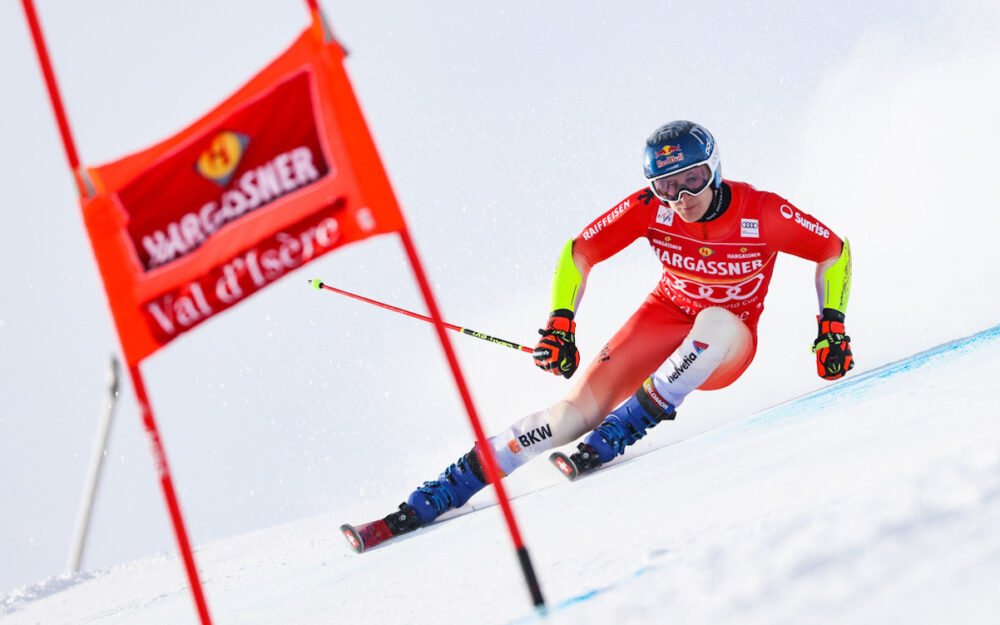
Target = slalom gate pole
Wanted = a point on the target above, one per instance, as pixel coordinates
(85, 189)
(318, 284)
(485, 450)
(169, 493)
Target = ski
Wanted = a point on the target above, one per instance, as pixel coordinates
(361, 537)
(365, 536)
(585, 460)
(565, 465)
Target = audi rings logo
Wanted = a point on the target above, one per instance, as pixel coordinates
(717, 294)
(786, 211)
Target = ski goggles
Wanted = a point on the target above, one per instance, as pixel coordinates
(692, 180)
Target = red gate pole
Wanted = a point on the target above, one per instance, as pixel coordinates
(173, 506)
(485, 449)
(57, 106)
(373, 163)
(85, 190)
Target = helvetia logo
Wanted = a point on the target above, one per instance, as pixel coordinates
(699, 347)
(219, 161)
(685, 364)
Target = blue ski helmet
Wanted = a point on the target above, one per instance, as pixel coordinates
(679, 146)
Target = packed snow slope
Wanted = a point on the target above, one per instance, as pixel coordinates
(876, 500)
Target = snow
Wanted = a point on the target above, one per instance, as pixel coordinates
(873, 501)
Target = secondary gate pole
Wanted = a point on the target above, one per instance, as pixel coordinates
(94, 472)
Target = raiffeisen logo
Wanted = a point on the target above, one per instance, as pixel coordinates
(219, 161)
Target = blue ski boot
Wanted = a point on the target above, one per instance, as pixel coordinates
(624, 426)
(452, 489)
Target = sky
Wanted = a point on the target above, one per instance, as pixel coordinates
(505, 130)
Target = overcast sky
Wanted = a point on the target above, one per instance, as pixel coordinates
(505, 130)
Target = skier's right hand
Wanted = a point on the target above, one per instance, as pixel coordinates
(556, 350)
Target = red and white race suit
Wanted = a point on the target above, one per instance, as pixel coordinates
(727, 262)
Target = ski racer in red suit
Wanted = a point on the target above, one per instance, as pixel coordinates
(718, 241)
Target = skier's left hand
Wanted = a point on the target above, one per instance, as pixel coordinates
(832, 347)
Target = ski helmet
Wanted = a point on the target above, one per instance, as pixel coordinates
(678, 147)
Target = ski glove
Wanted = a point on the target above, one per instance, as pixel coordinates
(556, 350)
(832, 347)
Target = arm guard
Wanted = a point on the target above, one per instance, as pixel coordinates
(837, 281)
(566, 282)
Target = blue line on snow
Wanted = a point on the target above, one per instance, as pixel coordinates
(590, 594)
(856, 386)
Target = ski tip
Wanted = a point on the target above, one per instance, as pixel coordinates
(353, 538)
(564, 464)
(316, 283)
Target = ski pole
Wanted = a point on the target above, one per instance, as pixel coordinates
(319, 285)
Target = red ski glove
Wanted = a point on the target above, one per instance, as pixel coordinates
(832, 347)
(556, 350)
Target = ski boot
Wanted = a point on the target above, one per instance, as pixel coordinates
(623, 427)
(452, 489)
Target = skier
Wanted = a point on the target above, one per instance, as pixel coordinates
(717, 240)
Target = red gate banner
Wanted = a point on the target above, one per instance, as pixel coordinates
(277, 175)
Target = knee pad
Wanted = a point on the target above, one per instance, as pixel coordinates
(722, 327)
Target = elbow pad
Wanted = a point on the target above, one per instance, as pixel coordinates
(566, 281)
(837, 281)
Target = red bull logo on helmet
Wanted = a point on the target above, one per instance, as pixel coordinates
(669, 154)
